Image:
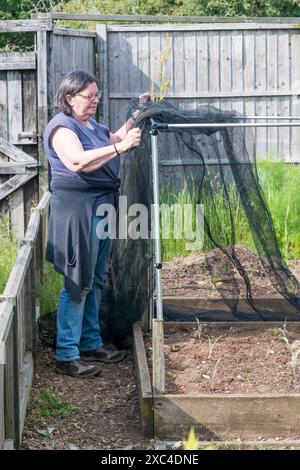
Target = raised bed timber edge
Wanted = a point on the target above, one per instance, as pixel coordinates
(215, 417)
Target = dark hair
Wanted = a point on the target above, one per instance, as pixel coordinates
(73, 83)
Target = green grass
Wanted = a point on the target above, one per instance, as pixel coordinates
(50, 404)
(8, 252)
(48, 290)
(280, 184)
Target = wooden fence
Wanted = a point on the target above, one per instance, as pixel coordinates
(18, 328)
(251, 65)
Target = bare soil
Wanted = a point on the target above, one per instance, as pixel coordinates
(95, 413)
(233, 359)
(190, 276)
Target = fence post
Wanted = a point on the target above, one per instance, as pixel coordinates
(42, 104)
(102, 48)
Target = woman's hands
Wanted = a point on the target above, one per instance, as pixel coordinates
(132, 139)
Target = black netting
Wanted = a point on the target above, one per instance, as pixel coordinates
(232, 150)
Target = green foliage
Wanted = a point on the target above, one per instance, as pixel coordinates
(50, 404)
(21, 9)
(8, 252)
(48, 290)
(280, 185)
(186, 7)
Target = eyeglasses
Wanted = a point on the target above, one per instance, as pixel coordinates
(91, 96)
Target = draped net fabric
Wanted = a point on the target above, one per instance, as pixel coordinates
(233, 151)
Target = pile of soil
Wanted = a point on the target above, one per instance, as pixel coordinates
(233, 359)
(190, 276)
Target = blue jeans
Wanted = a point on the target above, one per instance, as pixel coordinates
(78, 326)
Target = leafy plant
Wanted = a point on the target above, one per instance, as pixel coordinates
(212, 375)
(50, 403)
(294, 349)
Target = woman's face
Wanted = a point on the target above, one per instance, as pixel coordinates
(84, 104)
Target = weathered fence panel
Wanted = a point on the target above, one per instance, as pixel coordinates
(18, 114)
(251, 68)
(68, 50)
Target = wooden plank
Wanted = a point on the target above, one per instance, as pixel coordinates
(21, 314)
(133, 71)
(182, 19)
(261, 85)
(42, 107)
(74, 32)
(237, 70)
(2, 409)
(180, 308)
(190, 61)
(220, 416)
(3, 106)
(14, 153)
(15, 106)
(143, 381)
(29, 107)
(179, 69)
(6, 317)
(43, 205)
(143, 63)
(158, 358)
(33, 228)
(272, 84)
(26, 379)
(14, 183)
(17, 213)
(205, 27)
(24, 26)
(17, 61)
(18, 272)
(3, 127)
(154, 52)
(283, 103)
(115, 45)
(295, 104)
(202, 62)
(13, 168)
(103, 71)
(11, 380)
(212, 94)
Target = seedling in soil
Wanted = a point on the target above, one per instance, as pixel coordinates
(294, 349)
(212, 345)
(213, 374)
(200, 327)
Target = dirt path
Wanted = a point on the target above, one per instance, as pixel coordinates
(71, 413)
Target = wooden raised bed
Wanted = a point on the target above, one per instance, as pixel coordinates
(215, 416)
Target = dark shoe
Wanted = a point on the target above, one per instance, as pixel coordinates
(104, 355)
(77, 368)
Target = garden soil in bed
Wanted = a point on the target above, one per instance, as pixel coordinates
(229, 360)
(189, 276)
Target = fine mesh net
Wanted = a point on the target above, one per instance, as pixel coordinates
(234, 178)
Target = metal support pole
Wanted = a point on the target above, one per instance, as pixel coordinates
(158, 263)
(222, 125)
(158, 357)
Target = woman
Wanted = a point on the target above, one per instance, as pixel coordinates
(84, 160)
